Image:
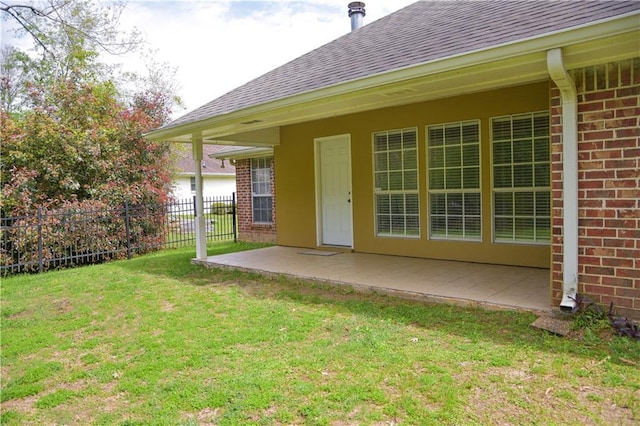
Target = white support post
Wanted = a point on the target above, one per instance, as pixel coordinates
(201, 232)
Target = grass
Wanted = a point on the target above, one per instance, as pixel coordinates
(156, 340)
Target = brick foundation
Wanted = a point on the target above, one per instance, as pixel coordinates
(608, 185)
(247, 230)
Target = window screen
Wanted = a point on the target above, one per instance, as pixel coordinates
(261, 197)
(453, 158)
(397, 207)
(521, 178)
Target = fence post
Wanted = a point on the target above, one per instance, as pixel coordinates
(40, 260)
(128, 228)
(233, 218)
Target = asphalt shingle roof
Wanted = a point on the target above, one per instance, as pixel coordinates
(422, 32)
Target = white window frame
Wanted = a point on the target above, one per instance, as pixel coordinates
(452, 234)
(397, 197)
(192, 184)
(255, 164)
(540, 194)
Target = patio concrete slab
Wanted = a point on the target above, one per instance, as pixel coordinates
(497, 286)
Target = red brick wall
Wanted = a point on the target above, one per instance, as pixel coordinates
(247, 230)
(608, 185)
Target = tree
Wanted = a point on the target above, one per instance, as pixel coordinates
(69, 38)
(13, 76)
(70, 131)
(96, 24)
(80, 143)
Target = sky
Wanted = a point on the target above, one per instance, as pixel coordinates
(216, 46)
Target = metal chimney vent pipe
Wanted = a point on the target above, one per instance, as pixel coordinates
(356, 13)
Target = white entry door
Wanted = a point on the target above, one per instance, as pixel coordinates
(333, 175)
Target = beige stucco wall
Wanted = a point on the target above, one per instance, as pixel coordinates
(295, 175)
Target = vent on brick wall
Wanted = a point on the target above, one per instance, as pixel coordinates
(606, 76)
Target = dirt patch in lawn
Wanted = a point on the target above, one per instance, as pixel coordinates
(205, 417)
(520, 396)
(21, 405)
(167, 306)
(63, 306)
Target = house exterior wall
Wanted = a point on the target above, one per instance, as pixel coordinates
(295, 176)
(608, 185)
(213, 186)
(247, 230)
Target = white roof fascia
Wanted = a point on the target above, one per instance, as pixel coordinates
(239, 154)
(540, 43)
(190, 174)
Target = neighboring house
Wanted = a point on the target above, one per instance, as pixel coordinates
(218, 180)
(495, 132)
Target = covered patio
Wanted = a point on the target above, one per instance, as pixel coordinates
(463, 283)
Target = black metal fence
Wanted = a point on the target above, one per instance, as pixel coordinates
(67, 237)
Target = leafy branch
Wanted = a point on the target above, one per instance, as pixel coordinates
(99, 30)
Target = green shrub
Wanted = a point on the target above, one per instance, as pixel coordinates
(221, 208)
(588, 314)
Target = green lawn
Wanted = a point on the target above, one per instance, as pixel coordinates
(156, 340)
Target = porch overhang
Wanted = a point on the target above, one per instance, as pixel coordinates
(208, 175)
(243, 153)
(501, 66)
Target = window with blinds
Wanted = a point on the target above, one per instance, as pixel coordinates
(453, 156)
(395, 164)
(521, 178)
(261, 198)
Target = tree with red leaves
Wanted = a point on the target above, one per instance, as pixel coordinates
(77, 133)
(71, 133)
(80, 143)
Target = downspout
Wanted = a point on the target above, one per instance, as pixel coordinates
(569, 98)
(201, 233)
